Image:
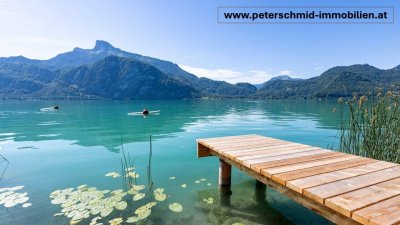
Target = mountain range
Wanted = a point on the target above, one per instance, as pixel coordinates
(106, 72)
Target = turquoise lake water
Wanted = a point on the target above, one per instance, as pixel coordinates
(81, 142)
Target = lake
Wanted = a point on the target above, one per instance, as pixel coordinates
(82, 141)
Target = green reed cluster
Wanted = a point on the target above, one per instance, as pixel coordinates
(370, 126)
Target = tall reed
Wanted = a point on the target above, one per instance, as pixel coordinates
(370, 126)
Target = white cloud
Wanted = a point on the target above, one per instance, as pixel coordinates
(285, 72)
(230, 76)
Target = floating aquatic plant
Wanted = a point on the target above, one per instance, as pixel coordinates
(203, 179)
(159, 194)
(183, 185)
(121, 205)
(116, 221)
(132, 219)
(138, 187)
(208, 184)
(10, 198)
(138, 196)
(175, 207)
(197, 182)
(209, 200)
(172, 178)
(113, 174)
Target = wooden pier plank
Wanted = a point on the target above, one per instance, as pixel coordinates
(306, 182)
(269, 172)
(355, 200)
(334, 166)
(385, 213)
(322, 192)
(254, 159)
(290, 159)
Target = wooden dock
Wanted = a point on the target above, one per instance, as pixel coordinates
(345, 189)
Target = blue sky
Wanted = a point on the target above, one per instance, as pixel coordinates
(186, 32)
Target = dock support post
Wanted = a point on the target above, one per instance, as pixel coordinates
(225, 171)
(260, 194)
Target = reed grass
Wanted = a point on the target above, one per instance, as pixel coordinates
(370, 126)
(3, 160)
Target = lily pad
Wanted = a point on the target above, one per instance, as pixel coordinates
(172, 178)
(183, 185)
(113, 174)
(160, 196)
(116, 221)
(139, 196)
(208, 200)
(175, 207)
(132, 219)
(121, 205)
(144, 214)
(26, 205)
(138, 187)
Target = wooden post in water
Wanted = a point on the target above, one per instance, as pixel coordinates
(225, 170)
(260, 194)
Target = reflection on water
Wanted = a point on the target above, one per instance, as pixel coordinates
(81, 142)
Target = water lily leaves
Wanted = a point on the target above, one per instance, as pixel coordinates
(208, 184)
(132, 219)
(113, 174)
(16, 188)
(105, 212)
(159, 190)
(26, 205)
(73, 222)
(175, 207)
(116, 221)
(197, 181)
(172, 178)
(138, 187)
(159, 194)
(132, 191)
(183, 185)
(121, 205)
(10, 198)
(144, 214)
(129, 169)
(139, 196)
(94, 220)
(132, 174)
(203, 179)
(208, 200)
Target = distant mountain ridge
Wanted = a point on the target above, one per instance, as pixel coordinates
(106, 72)
(23, 78)
(336, 82)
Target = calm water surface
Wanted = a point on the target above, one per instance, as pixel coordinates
(81, 142)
